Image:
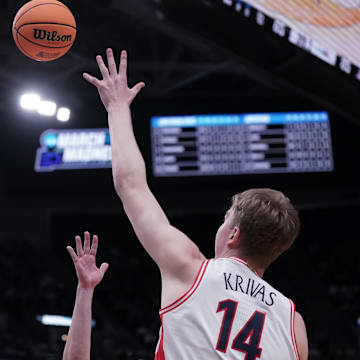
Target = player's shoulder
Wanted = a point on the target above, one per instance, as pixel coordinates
(301, 336)
(299, 319)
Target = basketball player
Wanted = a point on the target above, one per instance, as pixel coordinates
(89, 275)
(211, 309)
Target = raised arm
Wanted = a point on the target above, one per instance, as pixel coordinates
(176, 255)
(78, 342)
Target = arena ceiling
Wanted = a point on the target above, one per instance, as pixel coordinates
(174, 60)
(168, 53)
(169, 57)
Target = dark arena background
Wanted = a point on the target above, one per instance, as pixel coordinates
(202, 60)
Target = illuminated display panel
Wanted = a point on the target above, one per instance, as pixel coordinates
(73, 149)
(235, 144)
(328, 29)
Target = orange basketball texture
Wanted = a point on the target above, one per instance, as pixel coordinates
(44, 30)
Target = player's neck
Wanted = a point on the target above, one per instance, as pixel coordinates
(256, 269)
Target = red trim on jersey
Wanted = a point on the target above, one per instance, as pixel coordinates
(180, 298)
(244, 262)
(189, 293)
(160, 347)
(292, 329)
(240, 260)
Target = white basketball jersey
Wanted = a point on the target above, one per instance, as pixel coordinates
(228, 313)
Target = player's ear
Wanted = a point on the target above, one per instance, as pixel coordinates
(234, 237)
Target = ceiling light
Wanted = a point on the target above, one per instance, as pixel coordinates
(47, 108)
(63, 114)
(30, 101)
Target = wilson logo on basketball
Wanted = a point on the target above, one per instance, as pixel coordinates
(54, 36)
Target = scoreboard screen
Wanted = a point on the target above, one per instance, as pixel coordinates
(328, 29)
(235, 144)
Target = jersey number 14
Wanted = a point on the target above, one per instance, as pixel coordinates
(248, 338)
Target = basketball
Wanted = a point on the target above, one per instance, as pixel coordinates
(44, 30)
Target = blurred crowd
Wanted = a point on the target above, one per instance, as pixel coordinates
(35, 283)
(320, 273)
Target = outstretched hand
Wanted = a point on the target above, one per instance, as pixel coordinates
(113, 88)
(88, 274)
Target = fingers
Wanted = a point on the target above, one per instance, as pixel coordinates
(123, 66)
(94, 245)
(137, 88)
(111, 62)
(72, 253)
(79, 249)
(86, 242)
(104, 267)
(91, 79)
(134, 91)
(103, 69)
(111, 71)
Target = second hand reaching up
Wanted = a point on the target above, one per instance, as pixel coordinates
(78, 343)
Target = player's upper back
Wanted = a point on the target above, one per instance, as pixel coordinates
(229, 313)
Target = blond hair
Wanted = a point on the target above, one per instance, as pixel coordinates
(268, 224)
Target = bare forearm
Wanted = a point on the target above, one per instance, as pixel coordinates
(79, 338)
(127, 162)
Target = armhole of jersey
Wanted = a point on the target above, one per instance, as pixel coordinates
(189, 293)
(292, 329)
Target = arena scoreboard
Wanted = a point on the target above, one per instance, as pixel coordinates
(235, 144)
(193, 145)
